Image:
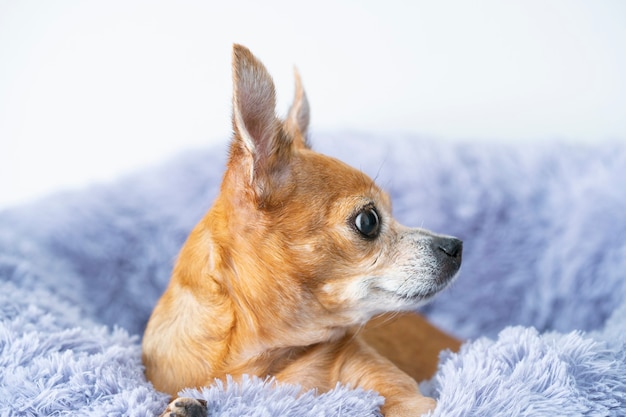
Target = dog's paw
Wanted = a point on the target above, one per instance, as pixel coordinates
(414, 407)
(186, 407)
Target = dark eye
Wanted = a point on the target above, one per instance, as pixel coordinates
(367, 223)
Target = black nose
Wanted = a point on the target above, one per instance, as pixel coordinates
(451, 246)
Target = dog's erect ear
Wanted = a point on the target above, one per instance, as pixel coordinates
(298, 117)
(259, 146)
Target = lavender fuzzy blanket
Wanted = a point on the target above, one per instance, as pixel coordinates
(541, 298)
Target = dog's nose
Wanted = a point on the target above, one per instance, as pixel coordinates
(451, 246)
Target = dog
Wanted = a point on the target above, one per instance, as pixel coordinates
(297, 253)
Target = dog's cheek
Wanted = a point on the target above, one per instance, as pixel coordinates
(341, 299)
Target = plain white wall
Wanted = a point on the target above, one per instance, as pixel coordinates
(91, 90)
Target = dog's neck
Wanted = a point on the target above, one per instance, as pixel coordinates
(255, 329)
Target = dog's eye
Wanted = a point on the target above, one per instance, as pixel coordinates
(367, 223)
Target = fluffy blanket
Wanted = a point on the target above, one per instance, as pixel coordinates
(540, 299)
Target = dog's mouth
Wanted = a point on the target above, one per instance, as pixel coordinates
(429, 291)
(423, 290)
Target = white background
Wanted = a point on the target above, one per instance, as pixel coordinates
(91, 90)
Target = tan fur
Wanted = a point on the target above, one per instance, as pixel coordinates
(276, 280)
(410, 342)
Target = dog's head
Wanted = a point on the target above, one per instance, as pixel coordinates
(306, 239)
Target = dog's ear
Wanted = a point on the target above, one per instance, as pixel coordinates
(298, 117)
(260, 146)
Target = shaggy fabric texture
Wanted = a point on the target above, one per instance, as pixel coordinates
(540, 298)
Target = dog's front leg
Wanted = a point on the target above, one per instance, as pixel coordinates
(361, 366)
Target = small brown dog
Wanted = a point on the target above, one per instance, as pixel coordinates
(297, 253)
